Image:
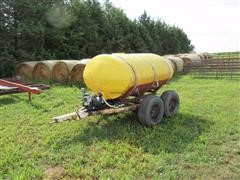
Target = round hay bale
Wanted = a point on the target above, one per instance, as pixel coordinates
(186, 60)
(62, 70)
(204, 55)
(207, 55)
(195, 58)
(177, 61)
(180, 55)
(43, 70)
(77, 71)
(25, 69)
(201, 56)
(190, 59)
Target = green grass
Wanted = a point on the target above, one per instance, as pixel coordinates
(202, 141)
(227, 55)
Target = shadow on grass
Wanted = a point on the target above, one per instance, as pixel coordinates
(172, 135)
(14, 98)
(7, 100)
(79, 84)
(177, 77)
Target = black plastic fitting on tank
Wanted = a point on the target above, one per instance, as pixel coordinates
(92, 102)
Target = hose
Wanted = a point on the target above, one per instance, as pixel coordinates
(109, 105)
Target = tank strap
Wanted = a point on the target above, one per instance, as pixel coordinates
(135, 88)
(156, 82)
(170, 69)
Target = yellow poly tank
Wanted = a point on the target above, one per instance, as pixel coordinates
(120, 75)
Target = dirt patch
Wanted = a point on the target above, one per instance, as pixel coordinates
(56, 172)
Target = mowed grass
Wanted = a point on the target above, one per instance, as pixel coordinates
(202, 141)
(227, 55)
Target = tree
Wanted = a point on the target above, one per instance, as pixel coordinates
(77, 29)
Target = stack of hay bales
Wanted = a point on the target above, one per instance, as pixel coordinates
(72, 70)
(178, 62)
(25, 69)
(52, 70)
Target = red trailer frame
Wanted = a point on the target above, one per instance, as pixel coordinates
(13, 85)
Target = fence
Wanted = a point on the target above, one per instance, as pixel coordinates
(215, 68)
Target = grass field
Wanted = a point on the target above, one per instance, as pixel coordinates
(202, 141)
(227, 55)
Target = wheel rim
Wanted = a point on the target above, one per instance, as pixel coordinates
(155, 111)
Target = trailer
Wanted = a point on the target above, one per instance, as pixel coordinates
(151, 108)
(14, 85)
(127, 82)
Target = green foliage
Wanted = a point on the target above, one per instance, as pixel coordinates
(201, 142)
(76, 29)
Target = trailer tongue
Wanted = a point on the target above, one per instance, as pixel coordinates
(24, 88)
(82, 113)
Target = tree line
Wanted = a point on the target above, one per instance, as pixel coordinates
(76, 29)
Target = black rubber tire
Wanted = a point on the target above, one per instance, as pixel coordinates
(171, 103)
(151, 110)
